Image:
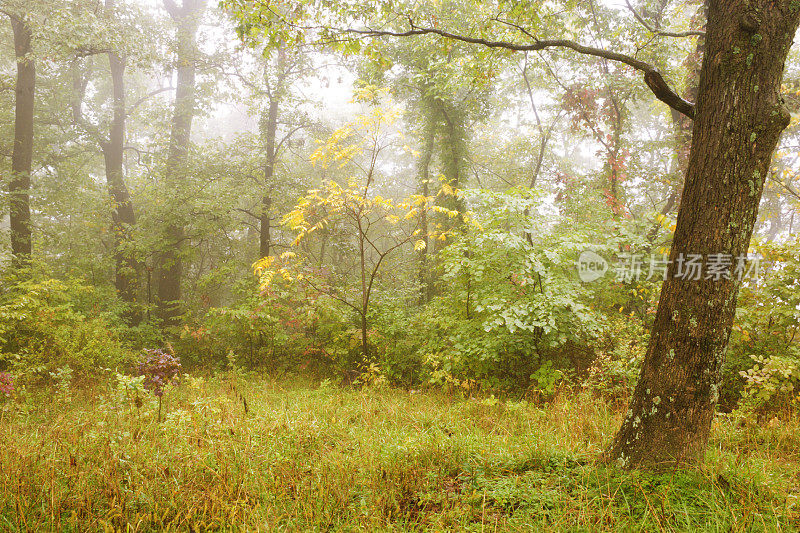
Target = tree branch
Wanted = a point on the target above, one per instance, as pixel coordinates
(248, 212)
(652, 77)
(146, 97)
(651, 29)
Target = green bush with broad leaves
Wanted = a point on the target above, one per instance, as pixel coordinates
(763, 362)
(282, 329)
(510, 306)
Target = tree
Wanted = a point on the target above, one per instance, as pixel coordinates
(372, 226)
(112, 145)
(270, 127)
(738, 119)
(22, 156)
(682, 125)
(446, 103)
(126, 272)
(170, 267)
(271, 88)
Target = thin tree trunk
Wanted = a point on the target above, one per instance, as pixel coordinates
(775, 220)
(270, 133)
(738, 119)
(265, 239)
(364, 336)
(364, 291)
(426, 292)
(682, 126)
(170, 271)
(544, 138)
(22, 155)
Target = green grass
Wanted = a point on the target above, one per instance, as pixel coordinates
(327, 459)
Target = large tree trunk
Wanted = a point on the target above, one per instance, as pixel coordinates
(126, 271)
(22, 155)
(739, 118)
(170, 268)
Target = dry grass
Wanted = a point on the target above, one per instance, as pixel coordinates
(306, 458)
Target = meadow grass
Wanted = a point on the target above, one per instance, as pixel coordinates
(250, 454)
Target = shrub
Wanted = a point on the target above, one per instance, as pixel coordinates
(508, 306)
(772, 383)
(618, 356)
(43, 328)
(764, 353)
(280, 330)
(159, 369)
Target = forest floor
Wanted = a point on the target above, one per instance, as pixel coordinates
(258, 455)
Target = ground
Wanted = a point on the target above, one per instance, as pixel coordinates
(252, 454)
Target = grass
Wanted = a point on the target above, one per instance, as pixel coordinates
(310, 458)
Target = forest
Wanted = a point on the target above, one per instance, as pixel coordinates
(389, 265)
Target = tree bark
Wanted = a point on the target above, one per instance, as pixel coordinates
(265, 239)
(453, 151)
(170, 261)
(364, 307)
(739, 116)
(22, 155)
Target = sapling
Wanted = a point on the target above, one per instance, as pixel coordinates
(160, 369)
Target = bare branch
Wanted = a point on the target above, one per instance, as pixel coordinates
(786, 186)
(248, 212)
(287, 138)
(651, 29)
(146, 97)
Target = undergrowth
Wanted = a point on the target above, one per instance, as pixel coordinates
(258, 455)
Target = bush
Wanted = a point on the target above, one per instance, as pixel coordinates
(764, 353)
(618, 357)
(507, 306)
(48, 325)
(280, 330)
